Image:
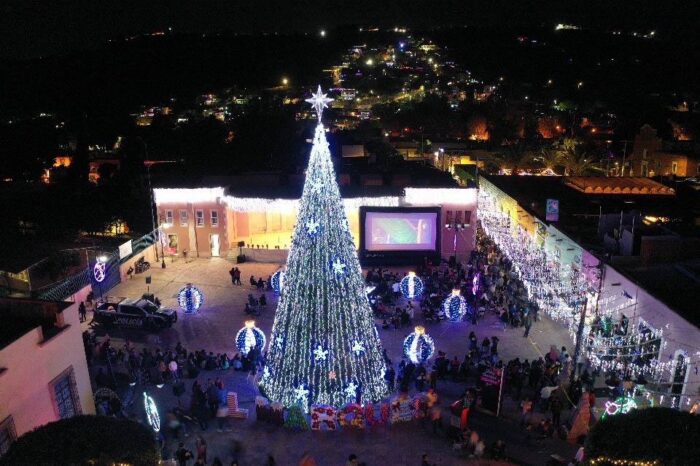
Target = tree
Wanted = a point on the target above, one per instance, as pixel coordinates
(324, 347)
(95, 440)
(576, 159)
(653, 434)
(513, 157)
(550, 159)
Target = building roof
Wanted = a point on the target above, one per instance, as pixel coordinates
(579, 210)
(615, 185)
(19, 316)
(676, 284)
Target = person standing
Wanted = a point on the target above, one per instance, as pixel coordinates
(528, 324)
(182, 455)
(201, 449)
(82, 311)
(232, 272)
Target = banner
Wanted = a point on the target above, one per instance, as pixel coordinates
(552, 212)
(125, 250)
(492, 380)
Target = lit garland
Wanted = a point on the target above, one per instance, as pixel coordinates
(250, 337)
(455, 306)
(277, 281)
(151, 409)
(603, 460)
(190, 299)
(411, 286)
(418, 346)
(323, 316)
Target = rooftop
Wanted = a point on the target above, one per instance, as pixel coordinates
(676, 284)
(583, 199)
(20, 316)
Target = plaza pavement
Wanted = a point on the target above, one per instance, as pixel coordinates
(215, 326)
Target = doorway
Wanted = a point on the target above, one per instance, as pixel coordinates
(214, 241)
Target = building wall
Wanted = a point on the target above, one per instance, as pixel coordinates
(196, 239)
(25, 391)
(678, 333)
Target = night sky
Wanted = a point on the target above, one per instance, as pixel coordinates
(32, 28)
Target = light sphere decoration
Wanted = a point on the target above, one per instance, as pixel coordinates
(277, 281)
(455, 306)
(418, 346)
(190, 299)
(99, 271)
(411, 286)
(250, 337)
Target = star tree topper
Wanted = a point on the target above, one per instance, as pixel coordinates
(319, 101)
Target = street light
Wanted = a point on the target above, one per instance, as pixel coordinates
(457, 226)
(156, 232)
(285, 81)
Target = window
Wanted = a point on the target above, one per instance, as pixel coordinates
(65, 394)
(674, 168)
(169, 217)
(199, 218)
(183, 218)
(7, 434)
(215, 218)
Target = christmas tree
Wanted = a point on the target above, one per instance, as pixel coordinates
(324, 347)
(296, 419)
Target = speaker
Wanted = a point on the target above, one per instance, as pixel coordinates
(241, 244)
(240, 259)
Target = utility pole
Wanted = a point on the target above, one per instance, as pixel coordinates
(624, 154)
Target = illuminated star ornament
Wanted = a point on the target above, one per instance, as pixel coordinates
(316, 186)
(319, 101)
(351, 390)
(312, 227)
(301, 393)
(358, 347)
(338, 266)
(320, 354)
(279, 341)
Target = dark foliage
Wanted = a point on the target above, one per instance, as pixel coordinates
(661, 434)
(81, 440)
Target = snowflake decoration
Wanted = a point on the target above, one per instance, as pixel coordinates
(351, 390)
(312, 227)
(331, 375)
(320, 354)
(319, 101)
(266, 372)
(279, 341)
(338, 266)
(358, 347)
(316, 186)
(301, 393)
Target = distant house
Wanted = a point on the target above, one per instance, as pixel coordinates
(353, 151)
(654, 157)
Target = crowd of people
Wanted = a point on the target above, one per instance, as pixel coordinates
(488, 283)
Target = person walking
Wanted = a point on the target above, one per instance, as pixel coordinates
(201, 449)
(528, 324)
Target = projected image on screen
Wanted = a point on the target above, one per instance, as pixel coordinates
(400, 231)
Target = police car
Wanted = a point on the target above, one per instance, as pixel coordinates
(134, 313)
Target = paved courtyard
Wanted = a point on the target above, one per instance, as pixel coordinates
(214, 328)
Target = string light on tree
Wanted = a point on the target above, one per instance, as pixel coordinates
(411, 286)
(250, 337)
(455, 306)
(190, 299)
(316, 306)
(277, 281)
(418, 346)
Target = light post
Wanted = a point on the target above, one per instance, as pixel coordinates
(156, 232)
(457, 226)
